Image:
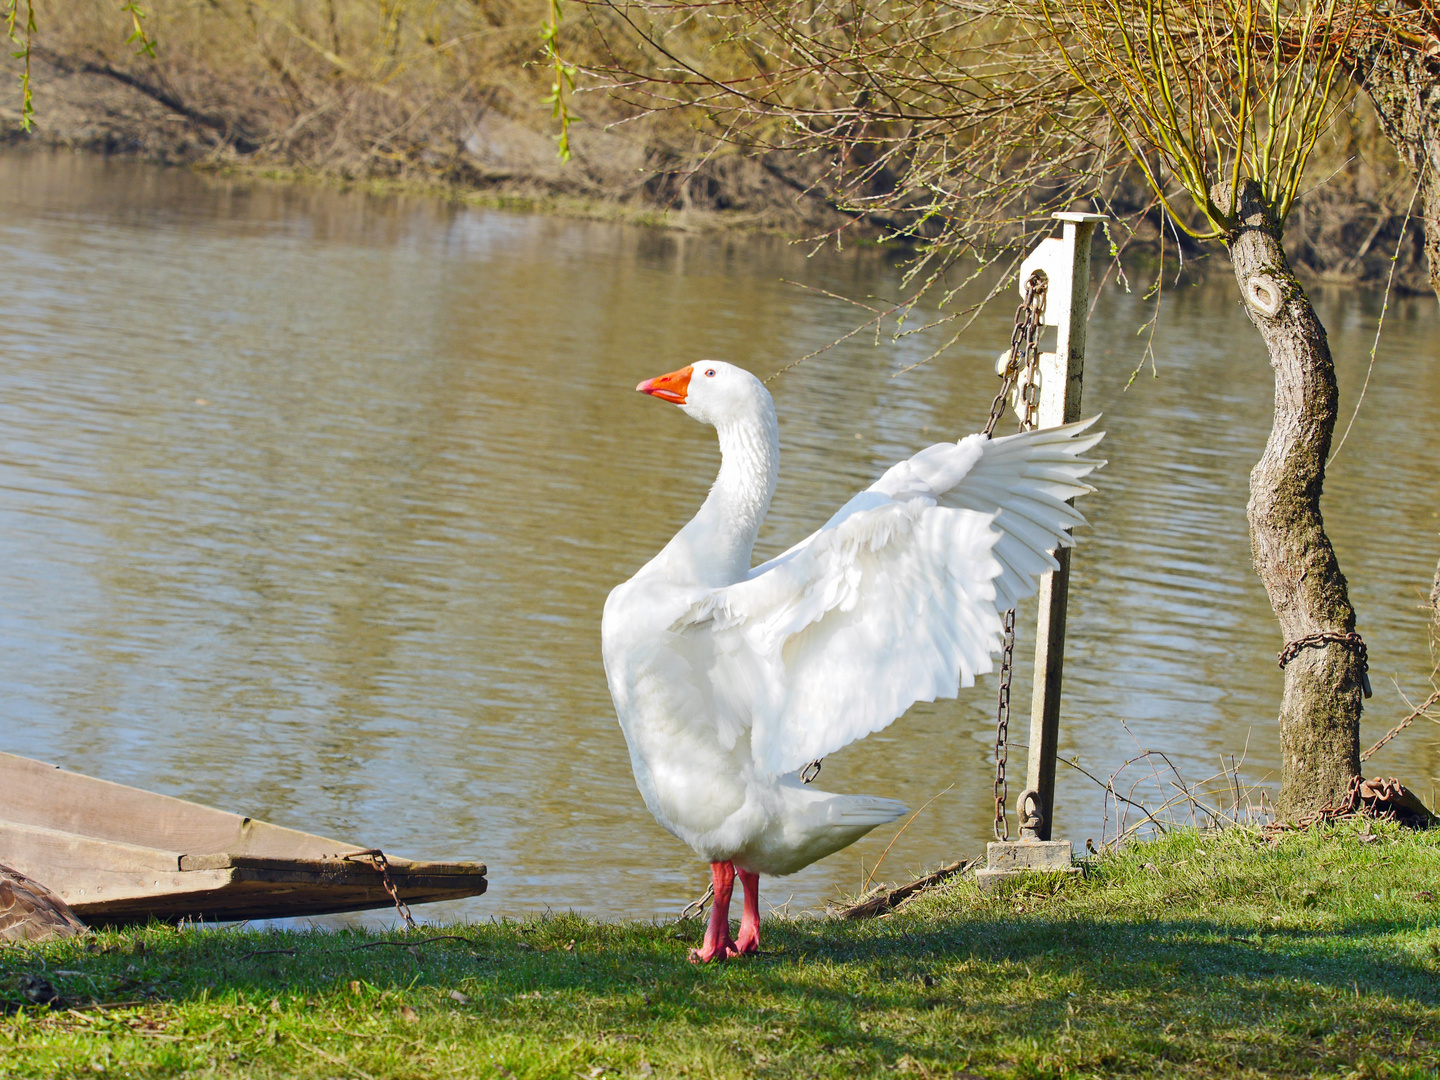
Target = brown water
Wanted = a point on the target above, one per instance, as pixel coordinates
(309, 502)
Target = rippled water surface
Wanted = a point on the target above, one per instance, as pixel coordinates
(309, 502)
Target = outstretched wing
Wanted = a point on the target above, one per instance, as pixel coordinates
(897, 599)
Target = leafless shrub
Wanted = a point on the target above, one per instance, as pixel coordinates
(1149, 795)
(946, 122)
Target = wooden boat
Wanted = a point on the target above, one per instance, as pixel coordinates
(116, 854)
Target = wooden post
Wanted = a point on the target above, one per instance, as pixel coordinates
(1066, 262)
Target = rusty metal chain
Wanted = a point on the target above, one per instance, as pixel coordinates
(377, 860)
(1349, 639)
(1024, 357)
(697, 907)
(1024, 353)
(1344, 806)
(1403, 724)
(1386, 800)
(1002, 728)
(811, 771)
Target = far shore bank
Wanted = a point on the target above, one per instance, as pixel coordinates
(503, 155)
(502, 159)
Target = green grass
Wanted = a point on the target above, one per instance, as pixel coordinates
(1216, 955)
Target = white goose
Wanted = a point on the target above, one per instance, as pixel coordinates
(728, 680)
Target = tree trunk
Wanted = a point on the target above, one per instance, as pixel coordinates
(1403, 81)
(1320, 709)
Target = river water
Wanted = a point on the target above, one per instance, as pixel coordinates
(309, 502)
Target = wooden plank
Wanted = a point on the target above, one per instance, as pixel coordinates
(103, 881)
(85, 871)
(35, 793)
(247, 893)
(397, 865)
(65, 862)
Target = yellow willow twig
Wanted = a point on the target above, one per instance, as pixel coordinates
(1167, 133)
(1163, 53)
(1246, 45)
(22, 51)
(1302, 100)
(1188, 159)
(1131, 76)
(1276, 119)
(1290, 115)
(563, 78)
(1312, 136)
(1315, 114)
(1137, 155)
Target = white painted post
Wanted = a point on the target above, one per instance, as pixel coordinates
(1066, 262)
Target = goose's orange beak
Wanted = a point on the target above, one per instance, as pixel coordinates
(671, 387)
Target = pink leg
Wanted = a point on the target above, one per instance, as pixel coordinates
(749, 940)
(719, 945)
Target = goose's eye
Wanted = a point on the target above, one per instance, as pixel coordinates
(709, 373)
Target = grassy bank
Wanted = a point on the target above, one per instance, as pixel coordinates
(1231, 955)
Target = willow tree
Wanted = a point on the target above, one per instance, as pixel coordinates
(957, 121)
(1220, 104)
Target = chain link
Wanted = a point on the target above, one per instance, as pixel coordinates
(1394, 731)
(1349, 639)
(377, 860)
(1024, 356)
(1002, 729)
(697, 907)
(1346, 805)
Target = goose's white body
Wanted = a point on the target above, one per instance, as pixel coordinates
(727, 680)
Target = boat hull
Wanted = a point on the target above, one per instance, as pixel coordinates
(117, 854)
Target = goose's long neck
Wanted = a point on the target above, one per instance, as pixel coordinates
(721, 537)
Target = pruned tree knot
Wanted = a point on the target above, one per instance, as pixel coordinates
(1264, 295)
(1246, 207)
(1222, 198)
(1349, 639)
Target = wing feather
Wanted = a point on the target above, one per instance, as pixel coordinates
(897, 599)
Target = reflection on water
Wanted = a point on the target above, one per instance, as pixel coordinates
(309, 502)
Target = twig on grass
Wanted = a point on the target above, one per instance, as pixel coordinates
(1206, 796)
(75, 1011)
(414, 941)
(888, 901)
(334, 1060)
(105, 1006)
(875, 869)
